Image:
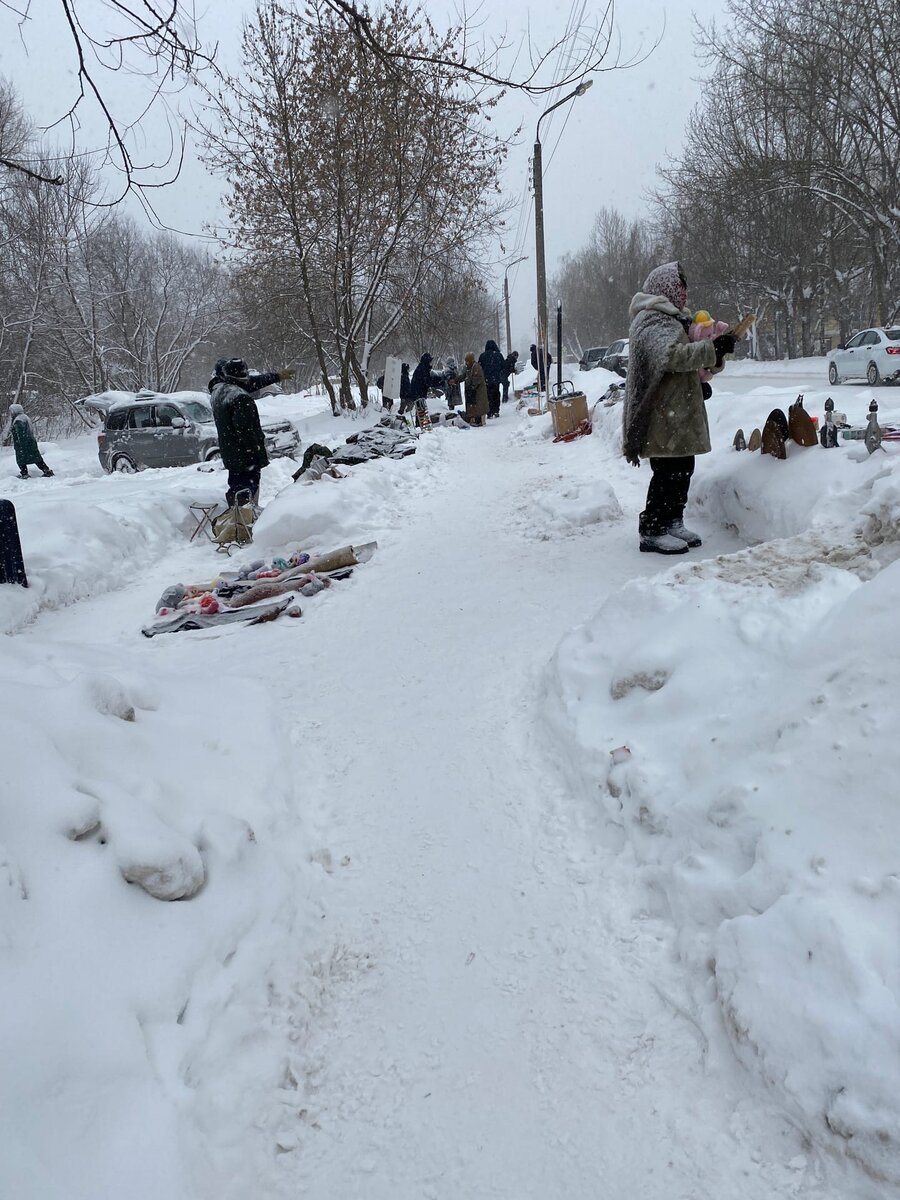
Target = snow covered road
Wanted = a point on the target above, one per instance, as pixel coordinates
(437, 975)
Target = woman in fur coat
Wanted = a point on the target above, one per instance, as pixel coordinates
(665, 413)
(476, 393)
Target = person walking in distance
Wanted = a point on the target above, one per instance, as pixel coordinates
(25, 447)
(494, 366)
(665, 412)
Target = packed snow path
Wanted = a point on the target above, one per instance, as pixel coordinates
(491, 1015)
(502, 1031)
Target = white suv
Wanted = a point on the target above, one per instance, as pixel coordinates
(873, 355)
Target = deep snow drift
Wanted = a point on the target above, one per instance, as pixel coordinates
(754, 694)
(436, 938)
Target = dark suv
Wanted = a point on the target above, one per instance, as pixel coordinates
(616, 357)
(592, 358)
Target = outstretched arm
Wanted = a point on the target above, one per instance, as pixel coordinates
(691, 356)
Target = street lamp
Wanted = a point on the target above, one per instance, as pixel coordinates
(506, 298)
(539, 229)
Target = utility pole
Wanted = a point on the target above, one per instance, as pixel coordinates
(543, 341)
(506, 298)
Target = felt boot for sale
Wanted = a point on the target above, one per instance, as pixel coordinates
(801, 425)
(662, 543)
(774, 434)
(740, 442)
(755, 440)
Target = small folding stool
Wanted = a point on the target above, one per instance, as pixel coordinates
(203, 515)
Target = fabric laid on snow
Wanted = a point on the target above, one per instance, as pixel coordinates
(183, 621)
(379, 442)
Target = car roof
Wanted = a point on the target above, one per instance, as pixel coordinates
(107, 401)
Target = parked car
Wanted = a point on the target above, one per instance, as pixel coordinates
(591, 358)
(873, 355)
(616, 357)
(152, 429)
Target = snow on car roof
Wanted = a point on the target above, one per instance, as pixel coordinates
(107, 401)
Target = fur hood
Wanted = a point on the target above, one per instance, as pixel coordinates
(645, 302)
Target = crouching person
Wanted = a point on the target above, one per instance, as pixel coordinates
(665, 413)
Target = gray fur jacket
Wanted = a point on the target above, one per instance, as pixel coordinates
(665, 414)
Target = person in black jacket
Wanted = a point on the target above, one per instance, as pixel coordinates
(509, 366)
(423, 378)
(493, 364)
(537, 361)
(242, 443)
(405, 384)
(256, 382)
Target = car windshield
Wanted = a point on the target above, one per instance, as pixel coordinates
(893, 334)
(196, 411)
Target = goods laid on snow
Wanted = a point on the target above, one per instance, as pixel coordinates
(247, 595)
(383, 441)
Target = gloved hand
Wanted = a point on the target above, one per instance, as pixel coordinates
(633, 460)
(724, 344)
(705, 389)
(287, 373)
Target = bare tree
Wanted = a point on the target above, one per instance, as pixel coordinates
(596, 283)
(354, 183)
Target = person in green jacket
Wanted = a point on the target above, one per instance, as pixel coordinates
(24, 442)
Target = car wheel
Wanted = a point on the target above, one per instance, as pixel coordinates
(833, 377)
(124, 464)
(872, 376)
(214, 456)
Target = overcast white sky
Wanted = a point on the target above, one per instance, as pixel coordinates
(601, 149)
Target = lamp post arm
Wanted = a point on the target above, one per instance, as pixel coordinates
(579, 91)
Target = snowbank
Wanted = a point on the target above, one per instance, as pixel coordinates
(754, 694)
(153, 848)
(160, 881)
(361, 506)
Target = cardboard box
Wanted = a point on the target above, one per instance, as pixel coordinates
(567, 411)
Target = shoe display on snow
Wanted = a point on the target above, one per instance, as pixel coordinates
(774, 434)
(662, 543)
(873, 429)
(679, 531)
(801, 425)
(828, 434)
(755, 440)
(740, 442)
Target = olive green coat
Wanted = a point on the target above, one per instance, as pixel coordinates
(665, 413)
